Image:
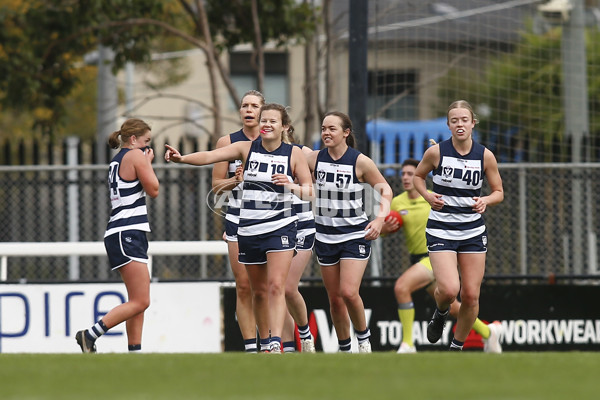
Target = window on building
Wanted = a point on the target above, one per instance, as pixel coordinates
(385, 86)
(243, 76)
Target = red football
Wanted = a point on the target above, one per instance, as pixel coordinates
(396, 216)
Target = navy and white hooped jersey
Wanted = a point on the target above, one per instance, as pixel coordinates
(234, 198)
(266, 207)
(458, 179)
(339, 212)
(304, 211)
(127, 199)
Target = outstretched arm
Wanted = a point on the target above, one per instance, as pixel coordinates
(234, 151)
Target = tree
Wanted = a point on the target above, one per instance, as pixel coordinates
(523, 91)
(43, 41)
(258, 22)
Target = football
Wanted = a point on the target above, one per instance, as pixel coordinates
(394, 215)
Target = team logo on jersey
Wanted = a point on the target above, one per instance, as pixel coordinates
(362, 249)
(447, 172)
(285, 241)
(253, 168)
(321, 177)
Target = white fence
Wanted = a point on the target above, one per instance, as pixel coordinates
(75, 249)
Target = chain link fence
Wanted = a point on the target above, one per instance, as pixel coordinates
(547, 224)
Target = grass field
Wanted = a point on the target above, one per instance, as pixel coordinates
(426, 375)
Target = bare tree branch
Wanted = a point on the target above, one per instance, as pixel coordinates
(160, 95)
(131, 22)
(258, 53)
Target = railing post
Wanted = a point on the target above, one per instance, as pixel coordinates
(4, 268)
(523, 219)
(73, 203)
(202, 216)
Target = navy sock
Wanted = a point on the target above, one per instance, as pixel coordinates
(264, 344)
(96, 331)
(344, 345)
(304, 332)
(363, 336)
(289, 347)
(456, 345)
(135, 347)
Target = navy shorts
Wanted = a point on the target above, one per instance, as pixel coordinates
(476, 244)
(254, 249)
(331, 254)
(231, 231)
(305, 242)
(125, 247)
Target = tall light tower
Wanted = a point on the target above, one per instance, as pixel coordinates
(107, 102)
(570, 15)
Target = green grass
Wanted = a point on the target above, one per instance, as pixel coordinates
(426, 375)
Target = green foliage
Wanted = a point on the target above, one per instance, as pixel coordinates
(42, 44)
(523, 88)
(280, 21)
(42, 41)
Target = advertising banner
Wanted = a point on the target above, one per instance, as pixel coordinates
(533, 317)
(43, 318)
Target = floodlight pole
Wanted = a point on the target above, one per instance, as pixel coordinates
(357, 71)
(575, 99)
(106, 124)
(107, 102)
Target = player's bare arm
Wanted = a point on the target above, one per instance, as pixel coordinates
(430, 160)
(492, 175)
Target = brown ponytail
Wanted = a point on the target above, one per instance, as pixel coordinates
(113, 140)
(132, 127)
(288, 135)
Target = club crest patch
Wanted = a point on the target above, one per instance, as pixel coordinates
(321, 177)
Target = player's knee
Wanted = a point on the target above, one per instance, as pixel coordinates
(141, 304)
(260, 291)
(349, 295)
(290, 290)
(260, 295)
(447, 293)
(469, 299)
(243, 290)
(401, 291)
(276, 289)
(447, 297)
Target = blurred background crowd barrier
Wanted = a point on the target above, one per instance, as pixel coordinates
(530, 68)
(547, 225)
